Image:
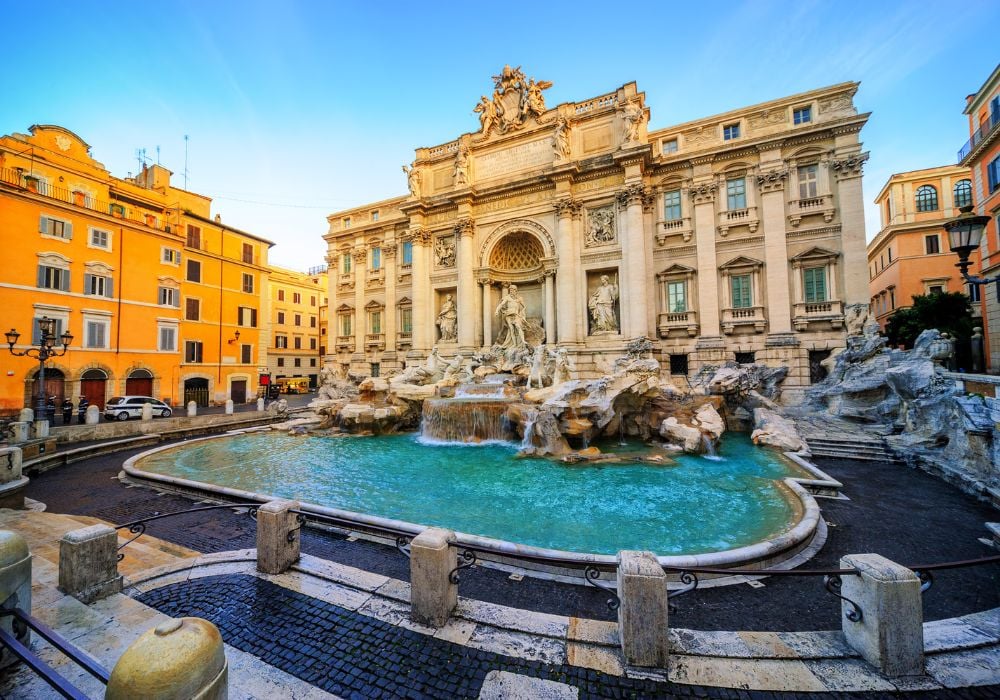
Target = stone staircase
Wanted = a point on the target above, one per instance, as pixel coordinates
(856, 447)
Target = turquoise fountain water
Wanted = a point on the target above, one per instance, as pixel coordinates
(696, 505)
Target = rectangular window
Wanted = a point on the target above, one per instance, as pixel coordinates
(376, 369)
(406, 319)
(55, 227)
(297, 342)
(312, 321)
(345, 263)
(932, 244)
(744, 358)
(281, 295)
(168, 296)
(974, 293)
(98, 285)
(375, 322)
(993, 174)
(312, 301)
(281, 362)
(192, 351)
(167, 339)
(193, 271)
(193, 236)
(376, 258)
(312, 361)
(345, 325)
(96, 334)
(676, 297)
(672, 205)
(935, 289)
(281, 317)
(808, 182)
(100, 238)
(730, 132)
(312, 343)
(36, 331)
(192, 309)
(281, 342)
(347, 222)
(814, 283)
(248, 253)
(298, 362)
(246, 354)
(668, 146)
(298, 319)
(739, 285)
(247, 283)
(736, 193)
(375, 215)
(802, 115)
(679, 364)
(53, 278)
(889, 251)
(296, 298)
(407, 253)
(246, 317)
(170, 256)
(892, 298)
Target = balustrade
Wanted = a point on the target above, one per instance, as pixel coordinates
(748, 316)
(686, 321)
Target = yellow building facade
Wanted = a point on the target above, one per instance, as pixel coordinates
(115, 261)
(295, 301)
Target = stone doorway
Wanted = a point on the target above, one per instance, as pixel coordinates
(55, 385)
(238, 391)
(196, 390)
(139, 383)
(93, 386)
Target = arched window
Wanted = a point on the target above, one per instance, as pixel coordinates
(926, 198)
(963, 193)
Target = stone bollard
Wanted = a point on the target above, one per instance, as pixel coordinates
(41, 429)
(642, 615)
(26, 415)
(15, 587)
(432, 594)
(12, 481)
(88, 563)
(260, 405)
(192, 409)
(20, 431)
(147, 411)
(890, 634)
(275, 551)
(93, 415)
(229, 407)
(176, 660)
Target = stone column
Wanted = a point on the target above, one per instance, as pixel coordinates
(88, 563)
(703, 197)
(466, 285)
(277, 536)
(642, 615)
(848, 171)
(389, 322)
(890, 634)
(778, 312)
(566, 275)
(550, 309)
(634, 299)
(423, 336)
(432, 594)
(360, 322)
(487, 312)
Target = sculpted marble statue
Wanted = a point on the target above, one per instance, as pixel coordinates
(561, 372)
(533, 101)
(447, 319)
(560, 139)
(602, 308)
(487, 111)
(511, 310)
(633, 118)
(462, 167)
(412, 180)
(444, 253)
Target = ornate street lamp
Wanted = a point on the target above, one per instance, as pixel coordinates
(45, 350)
(965, 232)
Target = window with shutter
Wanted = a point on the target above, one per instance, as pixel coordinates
(814, 281)
(740, 286)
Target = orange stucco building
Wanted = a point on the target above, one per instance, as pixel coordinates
(152, 288)
(910, 254)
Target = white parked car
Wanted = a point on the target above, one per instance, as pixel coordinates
(125, 407)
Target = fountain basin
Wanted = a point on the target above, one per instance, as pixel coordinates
(556, 515)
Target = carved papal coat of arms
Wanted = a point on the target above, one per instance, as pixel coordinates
(515, 99)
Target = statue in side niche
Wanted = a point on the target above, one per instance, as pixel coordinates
(560, 139)
(447, 319)
(602, 308)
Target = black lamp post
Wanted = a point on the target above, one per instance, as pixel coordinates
(45, 350)
(965, 233)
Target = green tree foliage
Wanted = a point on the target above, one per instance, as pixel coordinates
(950, 313)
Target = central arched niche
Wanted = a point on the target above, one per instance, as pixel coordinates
(517, 252)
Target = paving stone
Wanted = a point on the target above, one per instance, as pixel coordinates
(605, 660)
(501, 685)
(954, 633)
(848, 674)
(965, 668)
(744, 673)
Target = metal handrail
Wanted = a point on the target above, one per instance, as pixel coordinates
(138, 527)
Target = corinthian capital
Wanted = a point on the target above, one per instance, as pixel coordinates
(418, 236)
(360, 254)
(849, 167)
(703, 192)
(463, 227)
(632, 194)
(567, 206)
(772, 181)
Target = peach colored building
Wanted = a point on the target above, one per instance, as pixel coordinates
(910, 255)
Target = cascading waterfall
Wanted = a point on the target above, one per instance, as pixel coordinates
(469, 419)
(710, 452)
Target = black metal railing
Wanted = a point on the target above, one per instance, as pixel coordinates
(21, 621)
(985, 129)
(138, 527)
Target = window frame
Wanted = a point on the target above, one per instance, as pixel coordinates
(672, 298)
(188, 301)
(191, 265)
(731, 196)
(91, 230)
(963, 199)
(104, 324)
(248, 283)
(672, 207)
(731, 132)
(748, 290)
(809, 185)
(161, 329)
(802, 115)
(936, 246)
(197, 356)
(926, 199)
(65, 227)
(818, 296)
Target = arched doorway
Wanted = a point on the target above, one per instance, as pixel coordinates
(55, 385)
(93, 386)
(139, 383)
(196, 389)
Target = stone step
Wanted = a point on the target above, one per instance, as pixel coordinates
(852, 452)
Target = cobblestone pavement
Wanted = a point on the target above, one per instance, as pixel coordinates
(904, 514)
(355, 656)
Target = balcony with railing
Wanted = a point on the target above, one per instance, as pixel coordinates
(673, 227)
(986, 130)
(738, 217)
(345, 342)
(375, 341)
(747, 316)
(806, 312)
(25, 182)
(799, 208)
(375, 278)
(404, 339)
(677, 321)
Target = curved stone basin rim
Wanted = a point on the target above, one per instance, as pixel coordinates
(798, 535)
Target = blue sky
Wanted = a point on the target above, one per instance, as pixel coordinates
(296, 109)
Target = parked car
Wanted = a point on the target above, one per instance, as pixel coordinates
(125, 407)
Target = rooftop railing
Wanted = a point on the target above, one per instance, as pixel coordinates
(984, 131)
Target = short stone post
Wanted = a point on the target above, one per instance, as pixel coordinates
(229, 407)
(192, 409)
(41, 429)
(147, 411)
(26, 416)
(20, 430)
(12, 481)
(642, 615)
(432, 594)
(93, 415)
(890, 634)
(15, 587)
(277, 536)
(260, 404)
(176, 660)
(88, 563)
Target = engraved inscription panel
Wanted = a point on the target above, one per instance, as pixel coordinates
(597, 138)
(513, 159)
(443, 178)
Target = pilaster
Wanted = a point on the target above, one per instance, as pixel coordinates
(703, 196)
(389, 322)
(466, 285)
(566, 277)
(847, 172)
(633, 301)
(772, 187)
(422, 339)
(360, 254)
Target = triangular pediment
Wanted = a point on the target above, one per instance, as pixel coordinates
(741, 261)
(345, 307)
(816, 253)
(374, 305)
(405, 301)
(678, 269)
